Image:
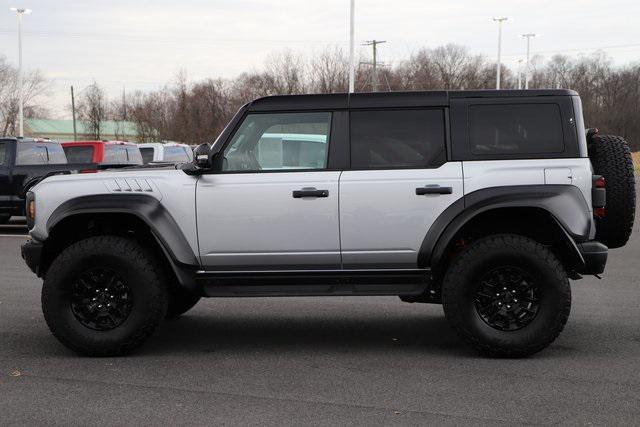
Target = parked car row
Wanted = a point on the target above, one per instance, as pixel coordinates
(26, 161)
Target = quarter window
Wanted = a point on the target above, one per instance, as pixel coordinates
(515, 129)
(397, 139)
(3, 153)
(281, 141)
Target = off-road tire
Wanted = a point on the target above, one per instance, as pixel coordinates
(180, 301)
(611, 157)
(4, 219)
(462, 281)
(138, 269)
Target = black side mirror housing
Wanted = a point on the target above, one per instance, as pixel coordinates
(202, 156)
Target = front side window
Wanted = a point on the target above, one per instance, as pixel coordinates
(279, 141)
(32, 153)
(79, 154)
(397, 139)
(515, 129)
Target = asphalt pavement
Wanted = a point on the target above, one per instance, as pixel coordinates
(323, 361)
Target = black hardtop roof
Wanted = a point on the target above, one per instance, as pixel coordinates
(389, 99)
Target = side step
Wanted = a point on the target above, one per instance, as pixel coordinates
(314, 282)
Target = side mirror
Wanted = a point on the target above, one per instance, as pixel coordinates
(202, 156)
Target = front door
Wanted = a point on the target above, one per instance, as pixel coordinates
(274, 205)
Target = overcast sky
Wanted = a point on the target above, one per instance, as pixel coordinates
(142, 44)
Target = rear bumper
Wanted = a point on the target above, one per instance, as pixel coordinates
(32, 254)
(595, 257)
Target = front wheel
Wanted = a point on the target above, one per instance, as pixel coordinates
(103, 296)
(507, 296)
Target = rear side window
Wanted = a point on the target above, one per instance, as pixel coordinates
(397, 139)
(122, 155)
(147, 155)
(30, 153)
(79, 154)
(515, 129)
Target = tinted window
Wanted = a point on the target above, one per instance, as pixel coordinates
(279, 141)
(175, 154)
(147, 155)
(397, 139)
(79, 154)
(515, 129)
(122, 155)
(32, 153)
(3, 153)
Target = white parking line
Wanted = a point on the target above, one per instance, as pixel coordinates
(14, 235)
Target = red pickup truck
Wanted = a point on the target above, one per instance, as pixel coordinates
(105, 153)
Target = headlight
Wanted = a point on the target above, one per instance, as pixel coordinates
(30, 209)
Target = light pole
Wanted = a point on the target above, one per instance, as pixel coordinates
(520, 73)
(499, 21)
(19, 12)
(527, 36)
(352, 47)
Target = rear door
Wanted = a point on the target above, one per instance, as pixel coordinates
(400, 181)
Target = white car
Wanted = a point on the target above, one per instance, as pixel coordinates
(168, 152)
(487, 202)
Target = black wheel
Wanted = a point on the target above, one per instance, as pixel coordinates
(103, 296)
(611, 157)
(507, 296)
(4, 219)
(180, 301)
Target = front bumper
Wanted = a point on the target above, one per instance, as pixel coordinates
(32, 255)
(595, 257)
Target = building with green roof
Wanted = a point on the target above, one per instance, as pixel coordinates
(62, 130)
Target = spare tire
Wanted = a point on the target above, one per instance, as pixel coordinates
(611, 157)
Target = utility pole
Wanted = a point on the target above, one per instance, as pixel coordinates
(499, 21)
(374, 64)
(73, 114)
(520, 74)
(19, 12)
(352, 47)
(527, 36)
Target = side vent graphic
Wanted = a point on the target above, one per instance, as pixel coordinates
(129, 185)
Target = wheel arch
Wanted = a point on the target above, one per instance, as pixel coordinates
(137, 216)
(556, 214)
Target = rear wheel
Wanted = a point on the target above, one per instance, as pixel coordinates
(611, 157)
(103, 297)
(507, 296)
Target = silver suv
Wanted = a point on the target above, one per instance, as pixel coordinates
(487, 202)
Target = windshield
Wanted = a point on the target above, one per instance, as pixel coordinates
(34, 153)
(122, 155)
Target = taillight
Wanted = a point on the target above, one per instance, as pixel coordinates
(600, 212)
(600, 182)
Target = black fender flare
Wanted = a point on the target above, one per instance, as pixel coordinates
(565, 203)
(148, 209)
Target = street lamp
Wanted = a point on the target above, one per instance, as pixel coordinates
(527, 36)
(352, 47)
(499, 21)
(19, 12)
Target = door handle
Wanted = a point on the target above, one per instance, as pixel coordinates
(433, 189)
(310, 192)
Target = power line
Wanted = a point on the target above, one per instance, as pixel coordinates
(374, 72)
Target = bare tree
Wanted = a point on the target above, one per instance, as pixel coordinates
(92, 109)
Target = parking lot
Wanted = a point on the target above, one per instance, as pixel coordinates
(366, 361)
